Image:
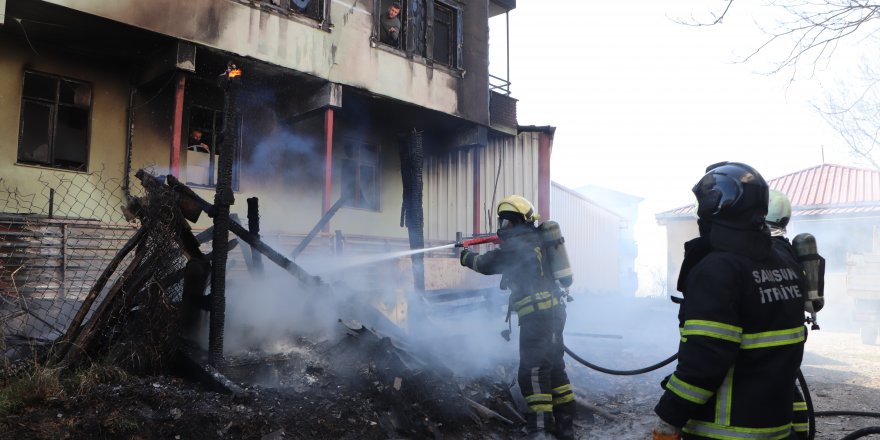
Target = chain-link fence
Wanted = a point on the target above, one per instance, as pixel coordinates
(78, 259)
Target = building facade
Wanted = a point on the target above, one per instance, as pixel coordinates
(322, 108)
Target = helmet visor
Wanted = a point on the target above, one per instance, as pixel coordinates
(715, 192)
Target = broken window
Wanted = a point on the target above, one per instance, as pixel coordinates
(204, 146)
(309, 8)
(359, 170)
(55, 122)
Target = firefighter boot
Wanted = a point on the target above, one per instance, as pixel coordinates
(564, 421)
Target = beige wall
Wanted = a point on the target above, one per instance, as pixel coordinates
(342, 55)
(107, 137)
(678, 232)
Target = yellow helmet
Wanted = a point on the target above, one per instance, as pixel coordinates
(519, 205)
(778, 210)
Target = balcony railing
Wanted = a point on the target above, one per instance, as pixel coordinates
(499, 85)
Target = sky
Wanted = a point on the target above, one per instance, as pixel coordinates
(642, 103)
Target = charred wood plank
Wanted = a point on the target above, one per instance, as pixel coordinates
(105, 311)
(237, 229)
(285, 263)
(206, 235)
(590, 408)
(486, 412)
(74, 328)
(253, 214)
(318, 226)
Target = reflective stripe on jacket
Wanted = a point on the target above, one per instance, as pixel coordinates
(742, 341)
(521, 260)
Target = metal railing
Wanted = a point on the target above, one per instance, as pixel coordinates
(499, 85)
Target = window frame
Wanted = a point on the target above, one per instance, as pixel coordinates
(287, 9)
(410, 33)
(358, 163)
(455, 33)
(54, 106)
(215, 133)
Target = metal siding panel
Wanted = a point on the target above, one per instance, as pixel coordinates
(592, 239)
(449, 199)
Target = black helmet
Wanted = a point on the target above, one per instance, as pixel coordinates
(732, 193)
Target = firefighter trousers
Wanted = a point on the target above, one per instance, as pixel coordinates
(542, 378)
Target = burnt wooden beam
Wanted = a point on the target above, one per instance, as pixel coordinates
(75, 328)
(237, 229)
(318, 226)
(205, 236)
(69, 356)
(273, 255)
(253, 215)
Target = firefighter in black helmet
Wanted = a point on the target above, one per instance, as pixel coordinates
(536, 299)
(741, 320)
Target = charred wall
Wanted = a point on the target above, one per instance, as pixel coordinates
(341, 53)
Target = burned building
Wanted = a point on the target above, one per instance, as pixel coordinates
(351, 145)
(395, 146)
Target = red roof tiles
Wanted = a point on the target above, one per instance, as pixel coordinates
(821, 190)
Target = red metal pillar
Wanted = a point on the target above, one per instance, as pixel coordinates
(545, 145)
(477, 190)
(328, 163)
(177, 125)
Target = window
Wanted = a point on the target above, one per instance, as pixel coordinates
(203, 147)
(445, 41)
(359, 170)
(392, 23)
(313, 9)
(428, 28)
(55, 122)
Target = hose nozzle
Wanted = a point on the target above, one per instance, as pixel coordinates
(478, 240)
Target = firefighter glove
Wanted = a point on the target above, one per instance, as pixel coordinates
(467, 258)
(665, 431)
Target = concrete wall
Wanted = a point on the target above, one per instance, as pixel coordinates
(343, 54)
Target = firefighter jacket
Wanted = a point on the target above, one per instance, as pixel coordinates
(525, 271)
(742, 338)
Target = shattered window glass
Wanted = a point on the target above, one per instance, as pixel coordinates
(55, 121)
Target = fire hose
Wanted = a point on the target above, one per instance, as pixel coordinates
(812, 414)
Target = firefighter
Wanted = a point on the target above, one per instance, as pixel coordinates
(537, 300)
(741, 319)
(778, 216)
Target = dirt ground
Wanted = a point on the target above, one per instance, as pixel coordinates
(303, 396)
(842, 375)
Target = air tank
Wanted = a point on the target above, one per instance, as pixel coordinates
(554, 245)
(814, 268)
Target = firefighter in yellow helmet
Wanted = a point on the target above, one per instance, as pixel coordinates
(537, 300)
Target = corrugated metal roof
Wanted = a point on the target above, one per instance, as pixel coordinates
(821, 190)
